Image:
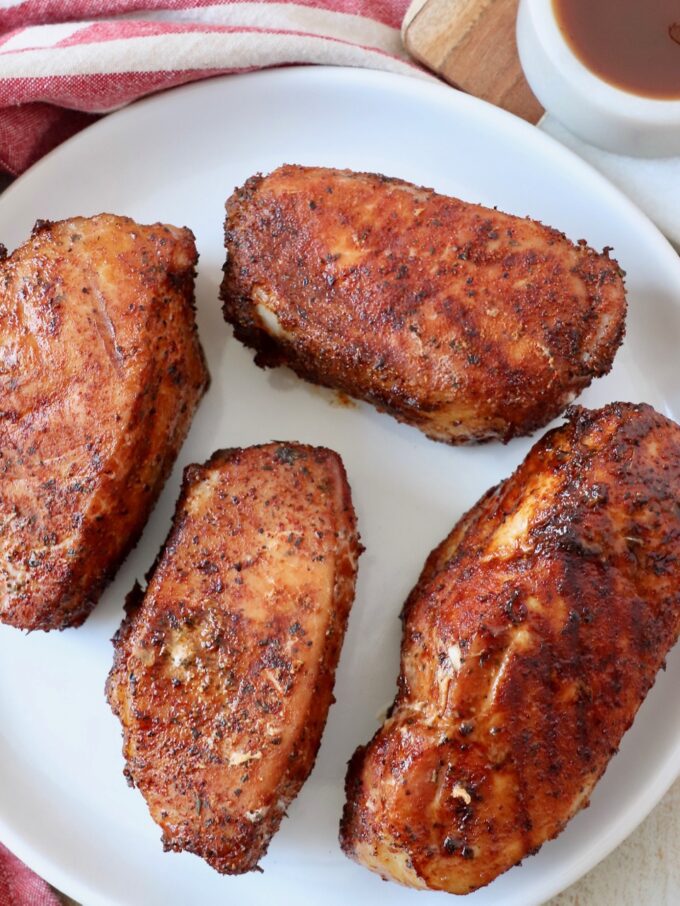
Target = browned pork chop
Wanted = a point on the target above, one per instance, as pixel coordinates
(101, 371)
(532, 637)
(224, 668)
(466, 322)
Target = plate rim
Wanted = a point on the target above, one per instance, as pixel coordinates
(657, 786)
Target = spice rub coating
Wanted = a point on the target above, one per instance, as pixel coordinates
(101, 371)
(531, 639)
(466, 322)
(224, 668)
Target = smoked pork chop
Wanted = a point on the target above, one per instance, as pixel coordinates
(466, 322)
(224, 667)
(101, 371)
(531, 639)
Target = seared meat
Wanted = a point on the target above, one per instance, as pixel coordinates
(531, 639)
(224, 668)
(465, 322)
(100, 374)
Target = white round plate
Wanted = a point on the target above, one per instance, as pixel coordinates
(64, 805)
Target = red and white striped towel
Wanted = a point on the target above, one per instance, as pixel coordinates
(63, 63)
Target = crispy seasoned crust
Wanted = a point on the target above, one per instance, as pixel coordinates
(466, 322)
(101, 373)
(531, 639)
(224, 668)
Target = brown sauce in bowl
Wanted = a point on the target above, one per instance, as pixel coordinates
(632, 44)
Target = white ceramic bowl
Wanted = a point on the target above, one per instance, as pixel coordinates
(596, 111)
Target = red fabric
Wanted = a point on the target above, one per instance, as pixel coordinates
(30, 131)
(21, 887)
(39, 12)
(63, 63)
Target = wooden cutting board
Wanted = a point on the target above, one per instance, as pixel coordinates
(471, 44)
